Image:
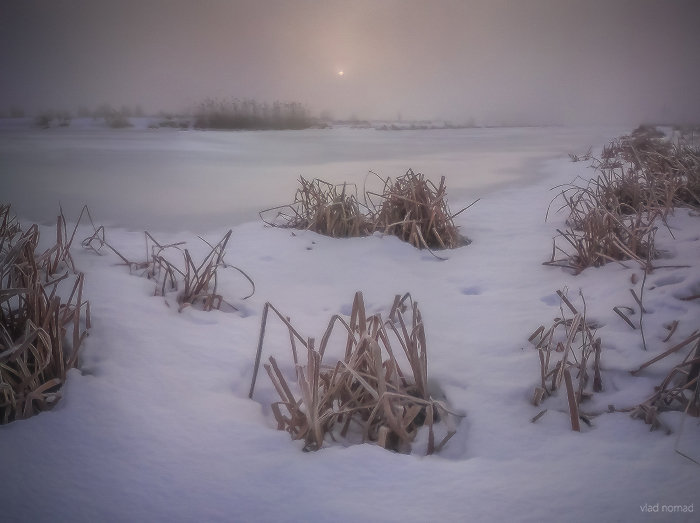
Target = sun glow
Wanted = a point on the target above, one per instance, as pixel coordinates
(341, 73)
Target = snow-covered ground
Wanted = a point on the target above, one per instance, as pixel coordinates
(157, 424)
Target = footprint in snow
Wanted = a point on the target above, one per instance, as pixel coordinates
(550, 299)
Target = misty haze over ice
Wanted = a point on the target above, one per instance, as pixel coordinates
(512, 63)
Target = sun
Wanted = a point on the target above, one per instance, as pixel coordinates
(341, 73)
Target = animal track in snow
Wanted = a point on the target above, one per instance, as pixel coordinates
(689, 293)
(669, 280)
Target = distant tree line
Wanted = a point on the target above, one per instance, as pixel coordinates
(46, 119)
(250, 114)
(209, 114)
(13, 112)
(113, 117)
(106, 111)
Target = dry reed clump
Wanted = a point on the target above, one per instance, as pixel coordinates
(196, 284)
(40, 332)
(573, 338)
(325, 208)
(603, 236)
(686, 165)
(665, 173)
(679, 390)
(416, 211)
(411, 207)
(565, 350)
(640, 178)
(366, 393)
(644, 148)
(200, 281)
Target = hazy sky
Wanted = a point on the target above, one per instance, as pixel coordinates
(545, 61)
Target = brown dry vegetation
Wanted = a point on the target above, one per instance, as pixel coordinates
(365, 393)
(416, 211)
(639, 179)
(325, 208)
(196, 284)
(568, 350)
(40, 331)
(679, 390)
(411, 207)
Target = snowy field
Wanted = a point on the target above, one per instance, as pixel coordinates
(157, 424)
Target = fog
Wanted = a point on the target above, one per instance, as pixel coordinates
(534, 62)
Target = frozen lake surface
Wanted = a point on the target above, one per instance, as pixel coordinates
(173, 180)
